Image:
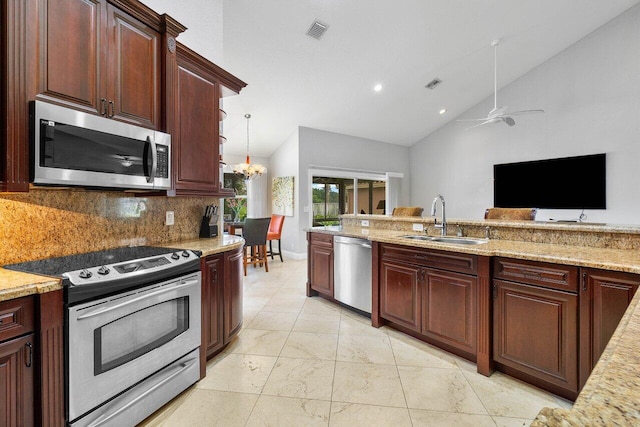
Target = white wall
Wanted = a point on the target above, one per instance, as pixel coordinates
(328, 149)
(591, 96)
(204, 29)
(284, 162)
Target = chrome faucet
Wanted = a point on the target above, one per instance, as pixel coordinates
(442, 226)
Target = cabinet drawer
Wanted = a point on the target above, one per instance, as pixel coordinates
(555, 276)
(321, 239)
(451, 261)
(16, 317)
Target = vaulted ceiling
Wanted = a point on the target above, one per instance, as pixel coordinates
(295, 80)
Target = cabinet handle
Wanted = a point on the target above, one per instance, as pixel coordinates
(30, 355)
(103, 106)
(215, 276)
(113, 108)
(420, 256)
(584, 282)
(495, 291)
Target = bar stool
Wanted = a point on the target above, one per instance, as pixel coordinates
(254, 233)
(275, 233)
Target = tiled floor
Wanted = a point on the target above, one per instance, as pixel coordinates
(306, 362)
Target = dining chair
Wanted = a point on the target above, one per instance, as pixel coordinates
(275, 233)
(521, 214)
(254, 233)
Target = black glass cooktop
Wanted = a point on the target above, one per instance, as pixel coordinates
(59, 265)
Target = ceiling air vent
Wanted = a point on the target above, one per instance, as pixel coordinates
(433, 83)
(317, 29)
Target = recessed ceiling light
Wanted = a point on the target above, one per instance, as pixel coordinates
(443, 111)
(377, 87)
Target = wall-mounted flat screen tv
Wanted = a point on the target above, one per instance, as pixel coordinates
(564, 183)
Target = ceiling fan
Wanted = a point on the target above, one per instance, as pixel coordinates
(498, 114)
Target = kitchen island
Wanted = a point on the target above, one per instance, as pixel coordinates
(611, 392)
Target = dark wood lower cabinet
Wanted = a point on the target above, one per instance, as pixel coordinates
(17, 381)
(232, 293)
(448, 309)
(434, 304)
(221, 302)
(604, 298)
(400, 294)
(320, 264)
(536, 334)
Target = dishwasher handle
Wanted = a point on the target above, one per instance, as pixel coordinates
(351, 241)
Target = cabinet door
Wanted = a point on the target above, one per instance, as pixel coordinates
(604, 299)
(535, 332)
(195, 144)
(133, 91)
(400, 294)
(72, 53)
(232, 294)
(448, 309)
(212, 308)
(321, 268)
(16, 382)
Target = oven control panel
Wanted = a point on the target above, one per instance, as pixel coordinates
(129, 269)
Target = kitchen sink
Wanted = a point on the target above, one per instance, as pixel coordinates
(447, 239)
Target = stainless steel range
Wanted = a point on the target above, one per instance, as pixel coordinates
(132, 330)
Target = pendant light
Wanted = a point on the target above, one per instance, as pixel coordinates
(247, 170)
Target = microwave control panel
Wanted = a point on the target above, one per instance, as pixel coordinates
(162, 170)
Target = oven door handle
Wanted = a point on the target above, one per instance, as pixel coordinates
(103, 310)
(175, 371)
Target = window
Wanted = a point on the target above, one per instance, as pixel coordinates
(332, 196)
(235, 208)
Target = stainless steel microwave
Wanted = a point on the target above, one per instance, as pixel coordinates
(71, 148)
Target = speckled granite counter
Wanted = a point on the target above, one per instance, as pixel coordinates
(583, 256)
(15, 284)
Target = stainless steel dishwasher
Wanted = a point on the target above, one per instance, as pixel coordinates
(352, 272)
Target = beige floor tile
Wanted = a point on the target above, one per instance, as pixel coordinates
(318, 323)
(302, 378)
(239, 372)
(365, 349)
(422, 418)
(507, 397)
(260, 291)
(295, 290)
(360, 325)
(409, 351)
(512, 422)
(306, 345)
(354, 414)
(258, 341)
(273, 321)
(285, 304)
(439, 390)
(273, 411)
(213, 408)
(369, 384)
(318, 305)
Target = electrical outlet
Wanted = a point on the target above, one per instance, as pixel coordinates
(364, 223)
(169, 220)
(418, 227)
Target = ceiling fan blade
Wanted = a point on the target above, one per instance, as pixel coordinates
(515, 113)
(472, 120)
(480, 124)
(496, 112)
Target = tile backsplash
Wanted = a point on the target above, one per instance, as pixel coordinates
(55, 222)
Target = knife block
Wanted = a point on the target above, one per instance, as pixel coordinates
(207, 230)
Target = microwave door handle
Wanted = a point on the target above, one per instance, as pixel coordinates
(154, 160)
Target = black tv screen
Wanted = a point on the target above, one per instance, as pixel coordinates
(564, 183)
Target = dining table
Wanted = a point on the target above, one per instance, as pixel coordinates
(232, 226)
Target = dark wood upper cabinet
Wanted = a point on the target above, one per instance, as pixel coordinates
(604, 298)
(98, 59)
(196, 127)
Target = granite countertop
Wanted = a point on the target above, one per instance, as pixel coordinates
(16, 284)
(603, 258)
